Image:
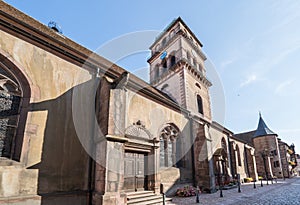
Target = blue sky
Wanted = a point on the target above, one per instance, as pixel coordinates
(254, 46)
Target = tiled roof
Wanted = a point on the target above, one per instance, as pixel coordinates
(262, 129)
(245, 137)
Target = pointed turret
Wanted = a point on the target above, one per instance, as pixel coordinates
(262, 128)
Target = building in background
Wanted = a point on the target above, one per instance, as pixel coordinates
(274, 157)
(285, 154)
(298, 165)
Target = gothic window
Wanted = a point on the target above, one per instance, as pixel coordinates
(173, 60)
(199, 104)
(238, 155)
(168, 138)
(10, 98)
(224, 144)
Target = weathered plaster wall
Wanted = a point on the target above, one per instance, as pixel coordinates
(51, 144)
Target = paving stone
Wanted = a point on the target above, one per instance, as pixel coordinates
(285, 192)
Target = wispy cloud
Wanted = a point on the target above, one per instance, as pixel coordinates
(283, 87)
(250, 79)
(226, 63)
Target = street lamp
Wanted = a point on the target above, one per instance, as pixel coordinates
(197, 195)
(239, 182)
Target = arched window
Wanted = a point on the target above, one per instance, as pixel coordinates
(10, 98)
(168, 138)
(15, 94)
(199, 104)
(238, 155)
(224, 144)
(173, 60)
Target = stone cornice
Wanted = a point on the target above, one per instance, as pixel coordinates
(197, 74)
(180, 64)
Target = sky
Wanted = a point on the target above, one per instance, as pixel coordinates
(253, 46)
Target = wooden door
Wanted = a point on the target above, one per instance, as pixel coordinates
(134, 171)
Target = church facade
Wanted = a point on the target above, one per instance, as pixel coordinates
(78, 129)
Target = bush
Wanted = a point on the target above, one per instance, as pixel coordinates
(186, 191)
(248, 179)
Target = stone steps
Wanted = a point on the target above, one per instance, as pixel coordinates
(144, 198)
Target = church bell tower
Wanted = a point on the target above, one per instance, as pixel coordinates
(177, 68)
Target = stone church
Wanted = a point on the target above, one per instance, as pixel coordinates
(274, 157)
(78, 129)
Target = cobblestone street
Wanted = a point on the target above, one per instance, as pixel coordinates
(284, 192)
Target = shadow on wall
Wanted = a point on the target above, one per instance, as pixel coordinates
(173, 178)
(65, 170)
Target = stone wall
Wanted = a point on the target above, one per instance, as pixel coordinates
(269, 146)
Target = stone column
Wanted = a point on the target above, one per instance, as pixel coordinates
(109, 172)
(204, 167)
(210, 159)
(254, 165)
(156, 173)
(270, 166)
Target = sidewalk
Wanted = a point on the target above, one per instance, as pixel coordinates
(232, 196)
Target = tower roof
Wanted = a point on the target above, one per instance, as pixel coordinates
(170, 26)
(262, 128)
